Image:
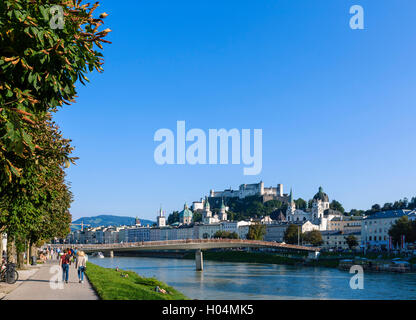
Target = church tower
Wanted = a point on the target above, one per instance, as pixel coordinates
(207, 214)
(223, 213)
(291, 207)
(137, 222)
(161, 219)
(320, 204)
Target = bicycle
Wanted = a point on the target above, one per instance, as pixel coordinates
(8, 273)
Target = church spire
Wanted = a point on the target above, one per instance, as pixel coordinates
(207, 207)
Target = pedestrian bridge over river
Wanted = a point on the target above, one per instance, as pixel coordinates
(195, 244)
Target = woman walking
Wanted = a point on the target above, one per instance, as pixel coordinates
(64, 263)
(81, 265)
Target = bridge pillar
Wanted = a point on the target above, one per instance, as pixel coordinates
(199, 261)
(111, 253)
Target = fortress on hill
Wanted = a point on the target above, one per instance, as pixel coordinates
(245, 190)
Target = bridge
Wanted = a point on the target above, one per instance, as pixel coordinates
(194, 244)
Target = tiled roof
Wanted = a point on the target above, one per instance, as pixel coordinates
(391, 214)
(343, 233)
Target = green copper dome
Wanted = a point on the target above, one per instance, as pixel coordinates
(185, 213)
(321, 195)
(207, 206)
(222, 203)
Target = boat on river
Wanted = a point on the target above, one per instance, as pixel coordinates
(98, 255)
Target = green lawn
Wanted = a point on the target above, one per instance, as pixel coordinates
(110, 285)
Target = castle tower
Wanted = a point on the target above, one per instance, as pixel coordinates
(161, 219)
(261, 188)
(280, 190)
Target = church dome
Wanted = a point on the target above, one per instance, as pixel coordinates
(185, 212)
(321, 195)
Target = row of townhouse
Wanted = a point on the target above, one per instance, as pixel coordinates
(375, 228)
(371, 231)
(138, 234)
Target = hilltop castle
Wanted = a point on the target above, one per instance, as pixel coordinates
(245, 190)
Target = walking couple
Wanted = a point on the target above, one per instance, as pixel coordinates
(80, 264)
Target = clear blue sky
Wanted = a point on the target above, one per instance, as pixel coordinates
(337, 106)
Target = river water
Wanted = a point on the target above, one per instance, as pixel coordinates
(228, 280)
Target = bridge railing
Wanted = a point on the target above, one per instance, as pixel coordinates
(167, 243)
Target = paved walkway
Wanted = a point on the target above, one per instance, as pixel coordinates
(38, 286)
(6, 288)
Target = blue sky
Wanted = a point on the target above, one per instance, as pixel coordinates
(336, 105)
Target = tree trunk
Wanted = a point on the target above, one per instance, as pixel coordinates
(33, 249)
(28, 253)
(20, 260)
(1, 246)
(11, 249)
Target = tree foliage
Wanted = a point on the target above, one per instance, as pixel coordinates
(313, 237)
(39, 66)
(292, 234)
(335, 205)
(403, 226)
(351, 241)
(256, 232)
(225, 235)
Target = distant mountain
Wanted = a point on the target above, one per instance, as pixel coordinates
(108, 220)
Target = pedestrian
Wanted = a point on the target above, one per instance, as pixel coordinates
(81, 266)
(64, 263)
(75, 256)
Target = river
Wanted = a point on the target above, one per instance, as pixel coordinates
(228, 280)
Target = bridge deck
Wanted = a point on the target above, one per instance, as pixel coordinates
(191, 244)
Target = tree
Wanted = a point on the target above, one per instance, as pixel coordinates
(225, 235)
(37, 207)
(39, 66)
(197, 216)
(387, 206)
(351, 241)
(38, 71)
(335, 205)
(403, 226)
(376, 208)
(301, 204)
(355, 212)
(293, 234)
(313, 237)
(256, 232)
(173, 217)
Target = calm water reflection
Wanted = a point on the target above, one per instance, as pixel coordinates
(226, 280)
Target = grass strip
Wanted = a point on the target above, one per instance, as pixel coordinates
(115, 285)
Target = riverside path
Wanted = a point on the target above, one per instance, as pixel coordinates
(38, 287)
